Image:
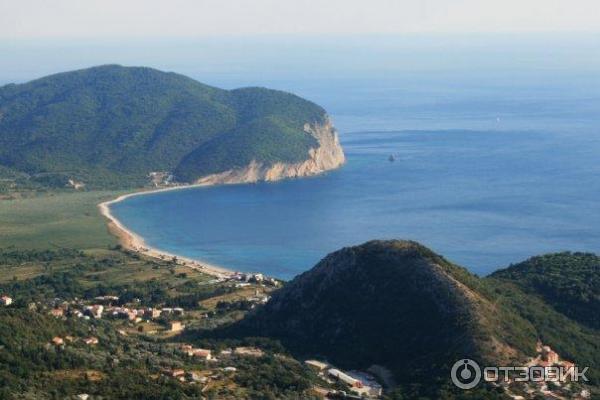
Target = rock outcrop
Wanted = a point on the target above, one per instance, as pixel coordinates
(327, 156)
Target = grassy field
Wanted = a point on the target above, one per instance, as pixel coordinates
(55, 220)
(91, 268)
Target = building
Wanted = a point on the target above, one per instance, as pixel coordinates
(238, 276)
(202, 353)
(107, 299)
(195, 377)
(248, 351)
(95, 311)
(316, 365)
(176, 326)
(175, 373)
(58, 341)
(121, 312)
(370, 386)
(57, 312)
(272, 281)
(178, 311)
(6, 301)
(152, 313)
(90, 341)
(226, 353)
(343, 377)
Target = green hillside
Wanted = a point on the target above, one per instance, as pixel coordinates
(109, 126)
(399, 305)
(558, 294)
(125, 363)
(392, 303)
(569, 282)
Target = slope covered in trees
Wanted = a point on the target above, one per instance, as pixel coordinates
(399, 305)
(112, 125)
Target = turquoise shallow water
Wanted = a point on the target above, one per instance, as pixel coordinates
(483, 199)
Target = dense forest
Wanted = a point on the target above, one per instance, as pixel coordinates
(569, 282)
(110, 126)
(394, 303)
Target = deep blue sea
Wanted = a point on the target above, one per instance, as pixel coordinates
(489, 170)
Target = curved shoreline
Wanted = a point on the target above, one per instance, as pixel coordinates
(327, 156)
(132, 241)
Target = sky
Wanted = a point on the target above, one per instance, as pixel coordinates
(233, 43)
(83, 19)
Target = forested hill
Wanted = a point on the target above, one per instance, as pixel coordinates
(112, 125)
(569, 282)
(397, 303)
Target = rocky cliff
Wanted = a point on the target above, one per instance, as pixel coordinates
(327, 156)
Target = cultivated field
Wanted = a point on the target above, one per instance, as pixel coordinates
(55, 220)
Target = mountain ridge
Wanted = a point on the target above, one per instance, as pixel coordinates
(383, 275)
(112, 126)
(398, 305)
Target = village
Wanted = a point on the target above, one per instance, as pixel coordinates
(148, 319)
(214, 367)
(547, 378)
(159, 323)
(193, 365)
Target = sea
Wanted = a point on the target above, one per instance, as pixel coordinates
(489, 168)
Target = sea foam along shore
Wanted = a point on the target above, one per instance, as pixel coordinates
(132, 241)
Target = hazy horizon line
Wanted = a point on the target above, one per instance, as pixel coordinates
(365, 35)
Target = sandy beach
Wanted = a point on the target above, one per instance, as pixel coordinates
(327, 156)
(134, 242)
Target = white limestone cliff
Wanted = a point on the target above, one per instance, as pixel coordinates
(327, 156)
